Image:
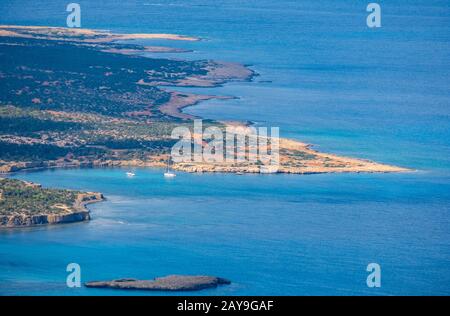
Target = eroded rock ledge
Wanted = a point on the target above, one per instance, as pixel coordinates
(168, 283)
(42, 219)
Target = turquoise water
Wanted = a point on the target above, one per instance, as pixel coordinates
(325, 78)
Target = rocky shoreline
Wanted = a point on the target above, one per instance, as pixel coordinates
(44, 219)
(360, 166)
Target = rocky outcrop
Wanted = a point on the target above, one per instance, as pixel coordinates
(168, 283)
(87, 198)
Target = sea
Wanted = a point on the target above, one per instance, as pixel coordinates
(325, 78)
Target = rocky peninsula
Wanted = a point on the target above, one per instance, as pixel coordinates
(26, 204)
(96, 102)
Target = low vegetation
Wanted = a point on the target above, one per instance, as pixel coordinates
(19, 197)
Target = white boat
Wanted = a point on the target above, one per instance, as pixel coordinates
(168, 173)
(268, 169)
(130, 174)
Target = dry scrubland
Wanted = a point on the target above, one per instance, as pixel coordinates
(71, 98)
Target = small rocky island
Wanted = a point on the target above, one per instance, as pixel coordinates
(24, 204)
(168, 283)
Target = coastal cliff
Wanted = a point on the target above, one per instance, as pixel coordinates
(43, 219)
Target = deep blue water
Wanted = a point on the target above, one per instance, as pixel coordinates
(325, 78)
